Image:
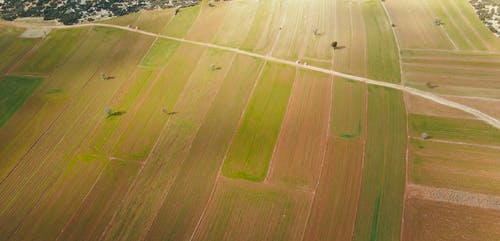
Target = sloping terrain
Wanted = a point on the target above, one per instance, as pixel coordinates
(237, 120)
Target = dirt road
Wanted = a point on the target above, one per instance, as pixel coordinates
(435, 98)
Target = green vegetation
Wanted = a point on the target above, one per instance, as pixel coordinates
(381, 201)
(160, 53)
(184, 205)
(465, 130)
(137, 140)
(181, 23)
(254, 213)
(455, 166)
(125, 102)
(261, 19)
(14, 91)
(53, 51)
(348, 108)
(14, 52)
(383, 58)
(253, 145)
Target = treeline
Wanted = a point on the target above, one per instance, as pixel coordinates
(74, 11)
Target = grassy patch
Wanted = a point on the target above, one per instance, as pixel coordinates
(160, 53)
(454, 129)
(14, 91)
(348, 108)
(381, 201)
(58, 45)
(238, 209)
(181, 23)
(183, 206)
(383, 58)
(251, 150)
(461, 167)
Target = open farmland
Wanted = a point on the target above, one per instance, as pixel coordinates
(238, 120)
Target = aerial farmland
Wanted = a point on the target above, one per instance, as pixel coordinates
(252, 120)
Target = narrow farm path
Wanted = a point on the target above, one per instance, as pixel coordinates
(478, 114)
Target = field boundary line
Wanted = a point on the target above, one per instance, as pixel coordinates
(457, 197)
(480, 115)
(164, 197)
(249, 99)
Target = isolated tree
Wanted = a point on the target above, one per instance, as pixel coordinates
(108, 111)
(335, 44)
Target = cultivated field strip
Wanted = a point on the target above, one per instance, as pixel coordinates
(322, 16)
(382, 50)
(235, 27)
(13, 47)
(463, 26)
(61, 200)
(420, 106)
(138, 139)
(207, 23)
(189, 194)
(162, 165)
(471, 168)
(464, 74)
(348, 111)
(453, 129)
(239, 208)
(14, 91)
(182, 22)
(92, 216)
(381, 201)
(294, 29)
(197, 118)
(478, 114)
(28, 180)
(433, 220)
(159, 53)
(301, 144)
(53, 51)
(53, 97)
(337, 193)
(252, 148)
(125, 104)
(88, 209)
(351, 34)
(155, 21)
(415, 25)
(259, 33)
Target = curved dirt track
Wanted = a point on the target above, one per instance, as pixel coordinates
(478, 114)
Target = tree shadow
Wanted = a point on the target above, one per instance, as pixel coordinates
(339, 47)
(116, 113)
(431, 85)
